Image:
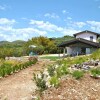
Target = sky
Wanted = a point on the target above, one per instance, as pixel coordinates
(24, 19)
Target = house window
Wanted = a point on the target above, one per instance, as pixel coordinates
(91, 38)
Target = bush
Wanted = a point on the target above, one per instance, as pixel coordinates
(79, 60)
(51, 70)
(95, 72)
(78, 74)
(40, 82)
(96, 55)
(62, 70)
(54, 81)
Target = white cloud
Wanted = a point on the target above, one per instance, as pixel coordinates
(5, 21)
(70, 31)
(52, 15)
(45, 26)
(64, 11)
(9, 33)
(94, 25)
(80, 24)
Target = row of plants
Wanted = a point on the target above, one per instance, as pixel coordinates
(7, 68)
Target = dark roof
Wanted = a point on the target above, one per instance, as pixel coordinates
(68, 43)
(86, 31)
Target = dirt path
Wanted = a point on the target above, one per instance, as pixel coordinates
(19, 86)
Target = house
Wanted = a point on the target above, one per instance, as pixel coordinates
(85, 42)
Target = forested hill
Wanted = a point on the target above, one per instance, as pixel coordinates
(62, 39)
(17, 43)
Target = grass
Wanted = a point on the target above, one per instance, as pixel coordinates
(77, 74)
(53, 58)
(95, 72)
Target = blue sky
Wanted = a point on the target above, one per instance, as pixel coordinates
(24, 19)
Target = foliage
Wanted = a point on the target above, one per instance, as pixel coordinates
(54, 81)
(96, 55)
(95, 72)
(40, 82)
(21, 48)
(77, 74)
(62, 39)
(44, 45)
(7, 68)
(11, 48)
(80, 60)
(62, 70)
(51, 70)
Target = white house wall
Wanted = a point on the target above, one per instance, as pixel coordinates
(88, 51)
(87, 36)
(69, 50)
(73, 50)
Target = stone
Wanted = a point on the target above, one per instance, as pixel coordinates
(85, 67)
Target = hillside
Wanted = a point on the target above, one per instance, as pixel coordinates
(62, 39)
(17, 43)
(21, 43)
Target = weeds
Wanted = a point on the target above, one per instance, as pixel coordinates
(95, 72)
(78, 74)
(54, 81)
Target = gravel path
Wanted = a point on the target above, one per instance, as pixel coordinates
(19, 86)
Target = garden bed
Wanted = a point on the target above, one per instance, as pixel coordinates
(9, 67)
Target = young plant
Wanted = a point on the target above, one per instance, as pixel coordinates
(54, 81)
(51, 70)
(40, 82)
(77, 74)
(95, 72)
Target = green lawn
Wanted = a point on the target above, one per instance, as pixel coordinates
(50, 57)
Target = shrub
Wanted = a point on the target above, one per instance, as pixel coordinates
(62, 70)
(79, 60)
(2, 73)
(96, 55)
(54, 81)
(40, 82)
(78, 74)
(95, 72)
(8, 70)
(51, 70)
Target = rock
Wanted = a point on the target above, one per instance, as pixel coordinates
(85, 67)
(86, 63)
(78, 66)
(96, 64)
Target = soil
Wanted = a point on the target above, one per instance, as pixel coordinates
(86, 88)
(20, 86)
